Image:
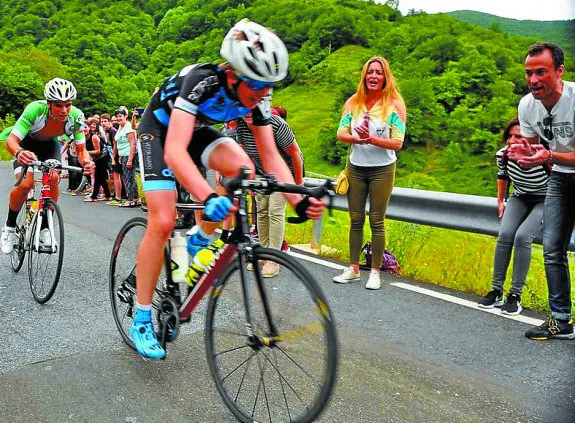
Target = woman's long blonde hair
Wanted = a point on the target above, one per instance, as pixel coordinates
(389, 93)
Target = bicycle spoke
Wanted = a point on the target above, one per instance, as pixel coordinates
(295, 369)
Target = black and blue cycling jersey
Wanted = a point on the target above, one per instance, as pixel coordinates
(200, 90)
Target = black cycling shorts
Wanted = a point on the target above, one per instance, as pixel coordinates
(156, 175)
(44, 150)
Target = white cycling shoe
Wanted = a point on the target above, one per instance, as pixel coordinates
(8, 239)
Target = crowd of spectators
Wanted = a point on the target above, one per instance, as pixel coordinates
(111, 142)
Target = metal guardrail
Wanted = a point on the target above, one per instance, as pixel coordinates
(461, 212)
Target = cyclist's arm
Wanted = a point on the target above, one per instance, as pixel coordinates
(176, 156)
(271, 159)
(24, 157)
(83, 154)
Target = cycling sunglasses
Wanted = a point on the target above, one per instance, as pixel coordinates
(256, 85)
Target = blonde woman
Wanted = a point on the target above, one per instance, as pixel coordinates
(373, 123)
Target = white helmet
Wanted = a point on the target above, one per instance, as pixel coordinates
(59, 89)
(255, 52)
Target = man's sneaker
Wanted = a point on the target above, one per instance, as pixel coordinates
(8, 239)
(374, 281)
(285, 247)
(494, 298)
(348, 275)
(552, 328)
(512, 305)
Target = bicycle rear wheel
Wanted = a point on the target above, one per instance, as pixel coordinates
(289, 372)
(19, 252)
(122, 276)
(45, 262)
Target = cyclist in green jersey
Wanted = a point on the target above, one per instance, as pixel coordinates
(35, 137)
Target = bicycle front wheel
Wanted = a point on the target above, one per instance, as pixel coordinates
(287, 371)
(19, 252)
(45, 258)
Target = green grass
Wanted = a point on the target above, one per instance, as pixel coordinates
(452, 259)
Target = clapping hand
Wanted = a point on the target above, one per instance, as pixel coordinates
(520, 151)
(363, 132)
(540, 155)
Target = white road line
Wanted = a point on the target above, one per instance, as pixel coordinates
(465, 303)
(428, 292)
(317, 261)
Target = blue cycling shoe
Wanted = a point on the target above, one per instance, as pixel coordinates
(144, 337)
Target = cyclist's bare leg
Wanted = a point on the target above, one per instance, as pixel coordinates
(150, 258)
(54, 190)
(227, 158)
(19, 194)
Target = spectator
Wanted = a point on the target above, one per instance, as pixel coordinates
(114, 121)
(74, 178)
(135, 118)
(373, 123)
(125, 146)
(116, 166)
(271, 208)
(99, 154)
(521, 222)
(546, 115)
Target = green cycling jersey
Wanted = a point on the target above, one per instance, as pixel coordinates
(34, 118)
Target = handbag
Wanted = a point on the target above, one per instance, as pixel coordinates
(342, 182)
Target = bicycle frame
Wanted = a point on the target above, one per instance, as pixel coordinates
(45, 193)
(228, 254)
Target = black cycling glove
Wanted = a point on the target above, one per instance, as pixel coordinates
(300, 209)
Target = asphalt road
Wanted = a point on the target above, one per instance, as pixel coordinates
(405, 357)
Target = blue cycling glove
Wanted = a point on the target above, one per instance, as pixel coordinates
(217, 208)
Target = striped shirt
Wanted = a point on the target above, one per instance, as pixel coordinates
(532, 181)
(283, 137)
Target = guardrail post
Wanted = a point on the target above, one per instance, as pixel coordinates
(316, 233)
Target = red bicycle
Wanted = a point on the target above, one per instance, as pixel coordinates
(40, 232)
(271, 343)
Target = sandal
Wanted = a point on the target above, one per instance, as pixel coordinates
(128, 204)
(89, 200)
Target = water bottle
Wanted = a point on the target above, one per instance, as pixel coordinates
(179, 257)
(200, 264)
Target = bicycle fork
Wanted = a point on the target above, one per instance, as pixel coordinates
(254, 341)
(38, 217)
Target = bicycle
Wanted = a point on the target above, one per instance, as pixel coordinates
(43, 277)
(251, 323)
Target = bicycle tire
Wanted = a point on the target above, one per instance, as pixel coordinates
(43, 285)
(122, 276)
(19, 252)
(82, 184)
(284, 294)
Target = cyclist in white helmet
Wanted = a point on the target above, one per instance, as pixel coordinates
(176, 138)
(35, 137)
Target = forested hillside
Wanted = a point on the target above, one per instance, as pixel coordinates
(560, 32)
(461, 82)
